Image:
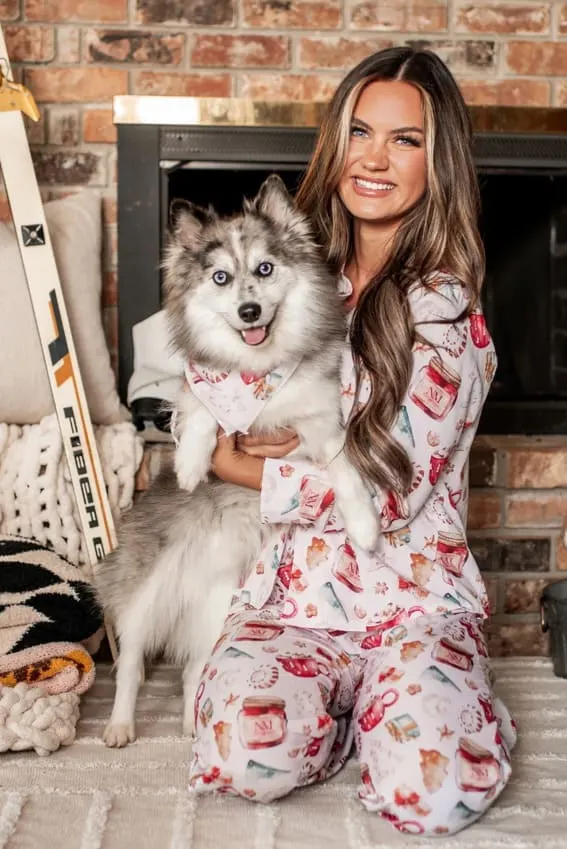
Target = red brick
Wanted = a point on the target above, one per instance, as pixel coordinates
(536, 510)
(68, 45)
(292, 14)
(73, 85)
(392, 16)
(109, 289)
(9, 10)
(461, 56)
(562, 19)
(485, 510)
(509, 638)
(110, 324)
(240, 51)
(336, 51)
(110, 248)
(109, 210)
(543, 468)
(544, 58)
(63, 125)
(492, 585)
(182, 85)
(506, 92)
(63, 11)
(308, 87)
(69, 167)
(503, 18)
(98, 126)
(35, 130)
(199, 13)
(523, 596)
(134, 46)
(30, 44)
(5, 214)
(561, 551)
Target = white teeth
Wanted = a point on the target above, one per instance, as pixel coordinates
(371, 184)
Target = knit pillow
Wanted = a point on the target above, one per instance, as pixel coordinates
(75, 229)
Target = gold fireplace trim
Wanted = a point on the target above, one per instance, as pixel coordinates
(241, 112)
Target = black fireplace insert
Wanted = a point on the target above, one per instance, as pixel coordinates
(523, 179)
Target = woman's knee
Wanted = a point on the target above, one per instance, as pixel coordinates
(428, 793)
(258, 743)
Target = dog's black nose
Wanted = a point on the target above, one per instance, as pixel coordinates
(250, 311)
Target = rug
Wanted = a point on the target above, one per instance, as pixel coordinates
(88, 797)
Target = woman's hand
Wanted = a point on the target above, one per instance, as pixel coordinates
(274, 446)
(234, 466)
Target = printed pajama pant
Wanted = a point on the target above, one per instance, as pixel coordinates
(279, 707)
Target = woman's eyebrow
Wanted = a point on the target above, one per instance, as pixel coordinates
(366, 126)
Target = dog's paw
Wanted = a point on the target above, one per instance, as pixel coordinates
(363, 527)
(118, 734)
(190, 471)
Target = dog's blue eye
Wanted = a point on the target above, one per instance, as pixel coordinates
(220, 278)
(265, 269)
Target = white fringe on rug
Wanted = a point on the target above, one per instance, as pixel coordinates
(36, 494)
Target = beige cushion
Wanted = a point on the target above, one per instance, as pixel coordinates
(75, 227)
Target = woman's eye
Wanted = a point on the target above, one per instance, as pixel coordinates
(408, 140)
(220, 278)
(265, 269)
(358, 132)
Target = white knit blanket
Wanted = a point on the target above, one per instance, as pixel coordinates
(85, 796)
(36, 494)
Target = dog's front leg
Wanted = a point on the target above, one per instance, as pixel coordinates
(129, 670)
(197, 438)
(324, 443)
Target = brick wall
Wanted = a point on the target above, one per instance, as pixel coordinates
(76, 54)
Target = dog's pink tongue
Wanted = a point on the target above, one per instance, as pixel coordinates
(254, 336)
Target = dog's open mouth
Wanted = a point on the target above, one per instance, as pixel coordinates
(255, 335)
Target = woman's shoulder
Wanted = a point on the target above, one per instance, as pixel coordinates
(439, 296)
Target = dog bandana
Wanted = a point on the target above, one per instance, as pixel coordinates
(236, 399)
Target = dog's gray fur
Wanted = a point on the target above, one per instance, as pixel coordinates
(183, 552)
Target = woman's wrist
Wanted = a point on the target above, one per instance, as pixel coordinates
(243, 470)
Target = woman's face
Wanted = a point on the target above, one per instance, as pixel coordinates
(385, 171)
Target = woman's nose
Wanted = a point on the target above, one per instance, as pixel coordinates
(376, 157)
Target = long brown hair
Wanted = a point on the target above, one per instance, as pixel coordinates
(439, 233)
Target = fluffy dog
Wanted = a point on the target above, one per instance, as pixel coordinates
(251, 297)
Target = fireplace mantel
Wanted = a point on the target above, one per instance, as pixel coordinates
(242, 112)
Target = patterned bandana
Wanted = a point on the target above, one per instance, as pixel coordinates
(236, 399)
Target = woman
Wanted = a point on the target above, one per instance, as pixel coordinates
(330, 644)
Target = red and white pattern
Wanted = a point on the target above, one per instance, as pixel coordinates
(433, 745)
(311, 568)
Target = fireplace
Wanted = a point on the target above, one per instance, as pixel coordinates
(218, 150)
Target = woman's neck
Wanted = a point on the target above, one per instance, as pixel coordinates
(371, 248)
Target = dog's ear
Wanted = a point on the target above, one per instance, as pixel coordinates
(274, 201)
(186, 220)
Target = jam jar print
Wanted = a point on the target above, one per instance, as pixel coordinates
(477, 768)
(262, 722)
(445, 651)
(436, 389)
(259, 631)
(373, 714)
(452, 552)
(479, 330)
(346, 569)
(314, 497)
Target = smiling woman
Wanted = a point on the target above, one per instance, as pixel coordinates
(385, 171)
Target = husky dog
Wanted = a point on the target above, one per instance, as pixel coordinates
(245, 295)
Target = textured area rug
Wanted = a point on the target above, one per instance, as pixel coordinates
(89, 797)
